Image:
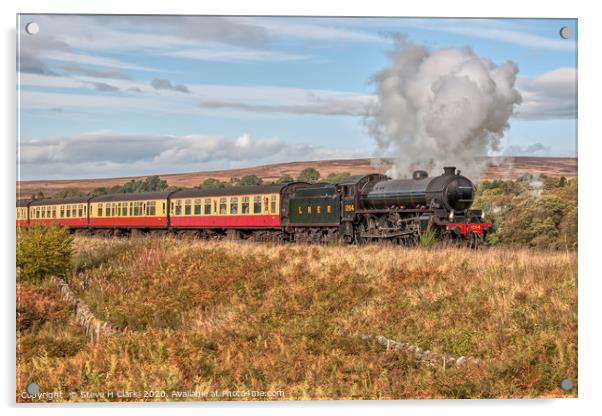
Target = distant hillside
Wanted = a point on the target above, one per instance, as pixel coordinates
(509, 168)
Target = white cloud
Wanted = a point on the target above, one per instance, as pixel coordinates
(496, 30)
(317, 29)
(233, 55)
(92, 60)
(108, 153)
(552, 95)
(338, 105)
(536, 149)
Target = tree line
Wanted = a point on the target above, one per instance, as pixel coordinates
(156, 184)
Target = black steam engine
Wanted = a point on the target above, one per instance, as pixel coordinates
(376, 208)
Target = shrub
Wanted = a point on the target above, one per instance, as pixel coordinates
(535, 212)
(428, 238)
(43, 251)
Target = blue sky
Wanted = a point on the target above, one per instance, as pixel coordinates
(104, 96)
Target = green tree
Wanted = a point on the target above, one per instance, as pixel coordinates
(309, 175)
(43, 251)
(337, 177)
(102, 190)
(212, 183)
(116, 189)
(249, 180)
(285, 178)
(149, 184)
(154, 184)
(69, 192)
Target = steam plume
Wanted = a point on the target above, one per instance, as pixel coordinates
(441, 107)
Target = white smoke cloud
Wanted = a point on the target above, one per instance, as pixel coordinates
(441, 107)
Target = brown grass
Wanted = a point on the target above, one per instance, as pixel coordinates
(240, 316)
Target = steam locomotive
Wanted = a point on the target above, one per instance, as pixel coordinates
(359, 209)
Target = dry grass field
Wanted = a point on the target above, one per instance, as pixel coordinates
(230, 316)
(508, 168)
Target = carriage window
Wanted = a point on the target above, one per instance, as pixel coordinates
(329, 209)
(223, 206)
(151, 208)
(43, 213)
(68, 211)
(207, 207)
(234, 206)
(309, 209)
(273, 204)
(187, 207)
(179, 207)
(99, 210)
(257, 205)
(80, 211)
(85, 209)
(62, 211)
(245, 204)
(134, 208)
(164, 208)
(131, 208)
(318, 209)
(197, 207)
(53, 212)
(108, 210)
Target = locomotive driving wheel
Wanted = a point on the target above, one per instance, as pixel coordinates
(362, 229)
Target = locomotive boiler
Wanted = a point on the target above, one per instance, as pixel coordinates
(449, 191)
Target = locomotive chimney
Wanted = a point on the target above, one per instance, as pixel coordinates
(449, 170)
(419, 174)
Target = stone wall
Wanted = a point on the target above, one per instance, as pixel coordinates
(95, 328)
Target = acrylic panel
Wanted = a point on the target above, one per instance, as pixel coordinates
(295, 208)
